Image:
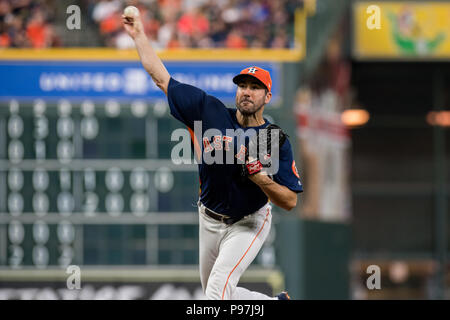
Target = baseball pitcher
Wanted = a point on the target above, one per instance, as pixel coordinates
(235, 196)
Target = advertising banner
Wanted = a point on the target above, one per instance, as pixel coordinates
(401, 30)
(121, 80)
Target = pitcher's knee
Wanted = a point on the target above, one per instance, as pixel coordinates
(218, 288)
(220, 291)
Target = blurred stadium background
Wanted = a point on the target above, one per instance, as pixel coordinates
(86, 176)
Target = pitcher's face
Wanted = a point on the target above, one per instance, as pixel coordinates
(251, 96)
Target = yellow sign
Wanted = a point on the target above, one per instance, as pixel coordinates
(108, 54)
(405, 30)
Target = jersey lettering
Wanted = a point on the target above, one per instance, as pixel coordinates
(227, 141)
(241, 153)
(217, 141)
(207, 147)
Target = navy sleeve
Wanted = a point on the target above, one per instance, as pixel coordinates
(287, 172)
(186, 102)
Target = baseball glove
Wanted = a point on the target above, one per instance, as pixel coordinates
(259, 152)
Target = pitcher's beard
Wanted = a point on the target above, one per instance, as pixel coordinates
(247, 115)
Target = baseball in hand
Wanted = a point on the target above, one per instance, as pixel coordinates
(131, 12)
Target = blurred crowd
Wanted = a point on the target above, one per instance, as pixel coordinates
(202, 23)
(168, 23)
(27, 23)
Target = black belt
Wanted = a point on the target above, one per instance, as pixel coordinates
(221, 218)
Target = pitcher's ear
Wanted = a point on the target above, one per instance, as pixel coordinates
(268, 97)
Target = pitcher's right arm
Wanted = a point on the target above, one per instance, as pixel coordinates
(149, 59)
